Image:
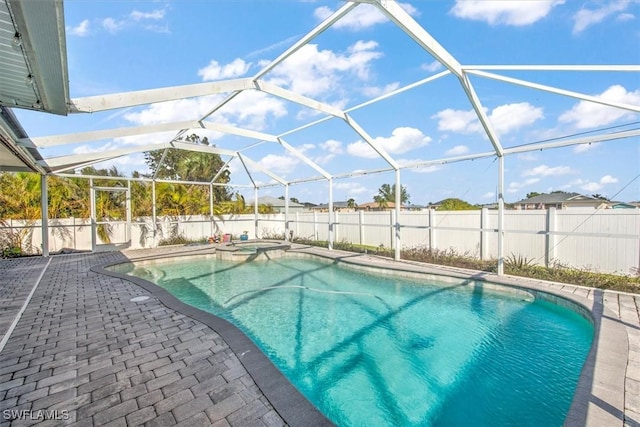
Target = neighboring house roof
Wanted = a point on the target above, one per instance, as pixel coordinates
(557, 198)
(376, 205)
(336, 205)
(275, 202)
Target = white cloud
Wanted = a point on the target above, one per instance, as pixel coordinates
(215, 71)
(587, 114)
(351, 188)
(528, 157)
(494, 12)
(433, 66)
(608, 179)
(314, 72)
(457, 121)
(584, 18)
(624, 17)
(81, 30)
(457, 150)
(332, 146)
(489, 195)
(585, 147)
(514, 187)
(509, 117)
(375, 91)
(505, 118)
(544, 170)
(111, 25)
(402, 139)
(153, 15)
(278, 164)
(363, 16)
(251, 109)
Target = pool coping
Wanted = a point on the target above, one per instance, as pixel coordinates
(599, 397)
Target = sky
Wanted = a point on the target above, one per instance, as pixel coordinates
(122, 46)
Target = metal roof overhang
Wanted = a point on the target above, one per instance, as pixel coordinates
(33, 65)
(13, 157)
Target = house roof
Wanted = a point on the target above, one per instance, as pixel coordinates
(559, 197)
(377, 205)
(335, 205)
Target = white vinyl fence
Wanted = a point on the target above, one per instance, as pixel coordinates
(601, 240)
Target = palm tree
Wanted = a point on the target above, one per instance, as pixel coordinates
(351, 203)
(387, 193)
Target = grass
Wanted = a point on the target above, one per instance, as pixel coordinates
(515, 265)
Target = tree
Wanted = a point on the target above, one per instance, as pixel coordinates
(194, 166)
(387, 193)
(600, 197)
(351, 203)
(533, 194)
(454, 204)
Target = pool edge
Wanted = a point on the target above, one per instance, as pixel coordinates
(600, 393)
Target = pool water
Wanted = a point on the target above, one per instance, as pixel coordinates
(376, 350)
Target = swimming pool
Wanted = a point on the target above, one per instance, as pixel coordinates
(373, 349)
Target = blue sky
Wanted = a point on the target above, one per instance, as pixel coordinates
(124, 45)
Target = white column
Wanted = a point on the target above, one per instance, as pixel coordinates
(286, 212)
(330, 214)
(154, 215)
(550, 249)
(500, 215)
(44, 212)
(361, 226)
(432, 231)
(92, 204)
(396, 226)
(128, 208)
(255, 212)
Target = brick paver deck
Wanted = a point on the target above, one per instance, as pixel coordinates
(83, 348)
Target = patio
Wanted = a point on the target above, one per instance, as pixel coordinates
(84, 349)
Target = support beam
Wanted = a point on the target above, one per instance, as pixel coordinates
(299, 99)
(44, 212)
(330, 222)
(286, 212)
(256, 166)
(568, 142)
(92, 104)
(367, 138)
(104, 134)
(319, 29)
(557, 91)
(406, 23)
(482, 115)
(396, 226)
(304, 158)
(154, 215)
(255, 212)
(501, 216)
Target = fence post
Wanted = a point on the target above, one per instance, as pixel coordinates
(550, 245)
(297, 224)
(484, 223)
(335, 226)
(432, 231)
(361, 226)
